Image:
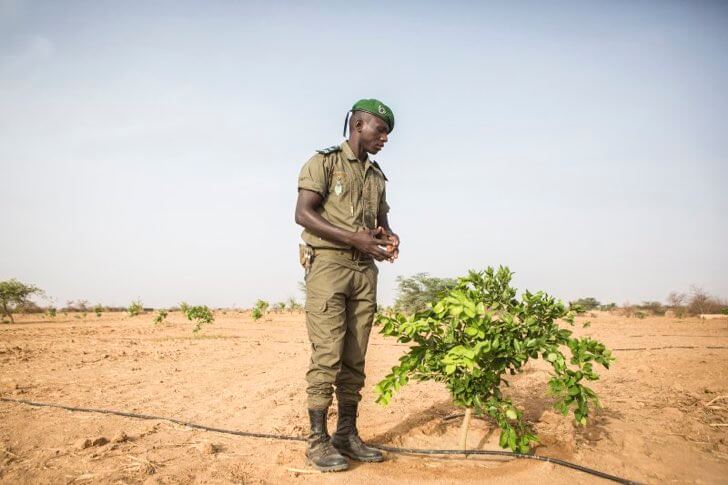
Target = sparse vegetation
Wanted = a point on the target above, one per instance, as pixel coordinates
(184, 307)
(159, 318)
(14, 295)
(583, 305)
(135, 308)
(99, 309)
(471, 336)
(51, 312)
(293, 305)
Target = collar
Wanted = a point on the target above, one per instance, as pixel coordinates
(349, 153)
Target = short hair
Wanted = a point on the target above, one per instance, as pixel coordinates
(356, 116)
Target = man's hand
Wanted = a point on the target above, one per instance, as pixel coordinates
(371, 242)
(392, 244)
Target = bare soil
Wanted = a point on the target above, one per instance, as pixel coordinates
(657, 424)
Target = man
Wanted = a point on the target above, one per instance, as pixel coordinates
(343, 208)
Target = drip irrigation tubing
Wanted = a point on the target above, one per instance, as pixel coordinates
(391, 449)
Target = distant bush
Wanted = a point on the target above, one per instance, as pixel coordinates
(415, 292)
(585, 304)
(99, 309)
(653, 307)
(200, 315)
(51, 312)
(608, 307)
(161, 315)
(700, 302)
(292, 305)
(135, 308)
(260, 309)
(184, 307)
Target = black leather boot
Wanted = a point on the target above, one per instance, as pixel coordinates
(346, 439)
(320, 453)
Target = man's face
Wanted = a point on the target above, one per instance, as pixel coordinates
(373, 134)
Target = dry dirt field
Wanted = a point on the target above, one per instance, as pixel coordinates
(656, 425)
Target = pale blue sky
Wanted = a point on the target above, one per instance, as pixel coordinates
(151, 149)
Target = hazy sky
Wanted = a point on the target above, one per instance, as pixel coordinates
(151, 149)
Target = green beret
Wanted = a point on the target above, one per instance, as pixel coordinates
(378, 109)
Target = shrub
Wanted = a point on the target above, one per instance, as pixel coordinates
(415, 292)
(184, 307)
(135, 308)
(161, 315)
(701, 302)
(200, 315)
(260, 309)
(469, 338)
(14, 295)
(51, 312)
(654, 307)
(99, 309)
(279, 307)
(585, 304)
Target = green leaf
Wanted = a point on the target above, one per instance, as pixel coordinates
(511, 414)
(551, 357)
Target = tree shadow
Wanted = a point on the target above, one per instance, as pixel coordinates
(412, 421)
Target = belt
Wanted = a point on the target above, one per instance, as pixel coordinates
(348, 253)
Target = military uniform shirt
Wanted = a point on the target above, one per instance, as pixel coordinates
(353, 192)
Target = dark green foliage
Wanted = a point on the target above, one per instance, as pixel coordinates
(479, 331)
(415, 292)
(585, 304)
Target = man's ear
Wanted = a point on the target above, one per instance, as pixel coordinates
(358, 124)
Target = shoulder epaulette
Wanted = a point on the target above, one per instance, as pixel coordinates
(374, 162)
(331, 149)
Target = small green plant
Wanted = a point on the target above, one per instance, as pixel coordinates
(51, 312)
(477, 332)
(279, 307)
(724, 311)
(199, 315)
(159, 318)
(98, 310)
(184, 307)
(135, 308)
(260, 309)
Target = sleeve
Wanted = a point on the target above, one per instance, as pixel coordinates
(383, 206)
(314, 176)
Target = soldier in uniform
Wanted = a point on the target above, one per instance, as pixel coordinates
(343, 208)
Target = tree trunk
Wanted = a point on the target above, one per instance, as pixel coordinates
(5, 310)
(464, 428)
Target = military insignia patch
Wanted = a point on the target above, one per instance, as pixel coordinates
(382, 110)
(331, 149)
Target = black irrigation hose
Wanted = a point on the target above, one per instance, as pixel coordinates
(391, 449)
(672, 347)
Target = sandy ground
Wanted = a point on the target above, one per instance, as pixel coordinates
(655, 425)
